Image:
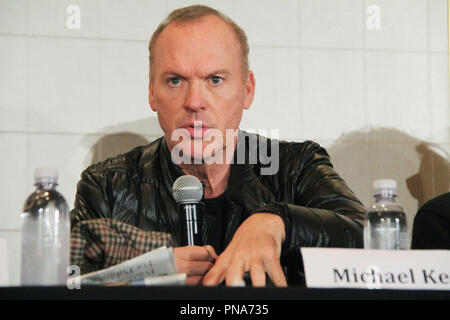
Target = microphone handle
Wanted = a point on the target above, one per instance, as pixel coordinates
(193, 230)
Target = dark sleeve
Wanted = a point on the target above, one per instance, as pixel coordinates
(326, 213)
(91, 198)
(431, 228)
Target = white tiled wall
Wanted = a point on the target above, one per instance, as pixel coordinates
(13, 84)
(331, 24)
(274, 99)
(268, 23)
(404, 25)
(438, 93)
(46, 18)
(14, 180)
(397, 92)
(332, 92)
(377, 99)
(64, 85)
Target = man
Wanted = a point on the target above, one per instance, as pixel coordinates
(200, 83)
(431, 228)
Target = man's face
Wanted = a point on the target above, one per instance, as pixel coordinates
(197, 78)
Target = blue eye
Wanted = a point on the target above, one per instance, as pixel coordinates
(216, 80)
(174, 81)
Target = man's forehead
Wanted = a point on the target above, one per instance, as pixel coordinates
(208, 23)
(205, 43)
(170, 71)
(187, 68)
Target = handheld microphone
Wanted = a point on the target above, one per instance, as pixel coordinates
(187, 191)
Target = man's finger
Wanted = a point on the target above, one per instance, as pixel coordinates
(234, 274)
(199, 253)
(215, 276)
(276, 274)
(212, 252)
(194, 280)
(258, 275)
(205, 253)
(197, 268)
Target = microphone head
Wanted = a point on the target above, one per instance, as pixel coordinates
(187, 189)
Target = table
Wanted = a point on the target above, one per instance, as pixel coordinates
(213, 293)
(224, 303)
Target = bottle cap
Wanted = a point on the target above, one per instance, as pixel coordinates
(385, 184)
(46, 175)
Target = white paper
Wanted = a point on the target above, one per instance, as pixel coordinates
(377, 269)
(4, 275)
(158, 262)
(171, 279)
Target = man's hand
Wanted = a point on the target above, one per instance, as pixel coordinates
(195, 261)
(256, 247)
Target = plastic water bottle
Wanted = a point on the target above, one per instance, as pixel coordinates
(45, 233)
(385, 223)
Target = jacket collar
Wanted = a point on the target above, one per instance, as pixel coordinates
(169, 170)
(158, 167)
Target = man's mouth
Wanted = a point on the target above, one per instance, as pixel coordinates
(196, 129)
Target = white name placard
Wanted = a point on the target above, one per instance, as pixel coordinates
(4, 275)
(377, 269)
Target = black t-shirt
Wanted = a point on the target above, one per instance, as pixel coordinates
(213, 221)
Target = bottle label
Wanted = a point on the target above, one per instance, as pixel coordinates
(385, 230)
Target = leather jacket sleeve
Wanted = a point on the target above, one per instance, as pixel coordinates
(90, 199)
(325, 212)
(322, 210)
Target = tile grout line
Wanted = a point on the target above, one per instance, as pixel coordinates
(366, 111)
(300, 76)
(28, 179)
(429, 88)
(386, 50)
(364, 72)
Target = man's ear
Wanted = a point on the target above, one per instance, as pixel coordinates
(249, 89)
(151, 97)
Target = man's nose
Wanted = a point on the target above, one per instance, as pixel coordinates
(195, 99)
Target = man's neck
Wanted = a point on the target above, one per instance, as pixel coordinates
(215, 177)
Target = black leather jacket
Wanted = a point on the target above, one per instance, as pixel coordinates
(316, 205)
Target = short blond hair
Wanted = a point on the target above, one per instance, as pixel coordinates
(194, 13)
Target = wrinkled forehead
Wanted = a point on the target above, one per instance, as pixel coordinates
(201, 45)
